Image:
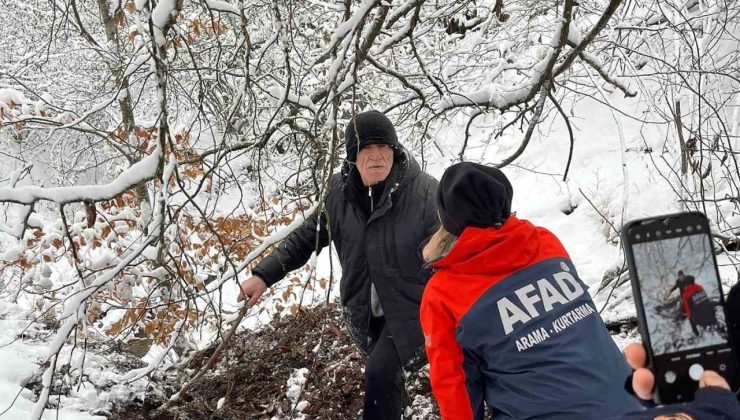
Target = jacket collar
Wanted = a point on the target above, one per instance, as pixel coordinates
(492, 251)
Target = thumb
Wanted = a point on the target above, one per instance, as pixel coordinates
(711, 378)
(241, 295)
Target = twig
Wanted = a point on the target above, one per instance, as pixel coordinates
(570, 133)
(597, 211)
(544, 90)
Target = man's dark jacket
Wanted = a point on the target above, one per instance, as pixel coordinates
(382, 249)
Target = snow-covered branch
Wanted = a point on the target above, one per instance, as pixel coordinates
(503, 98)
(142, 171)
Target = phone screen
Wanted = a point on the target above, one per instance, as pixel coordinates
(680, 294)
(683, 318)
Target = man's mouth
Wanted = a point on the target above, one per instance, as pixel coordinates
(376, 167)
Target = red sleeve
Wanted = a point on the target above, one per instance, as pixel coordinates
(689, 291)
(445, 357)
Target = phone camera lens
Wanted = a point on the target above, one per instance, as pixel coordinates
(657, 233)
(698, 227)
(670, 377)
(689, 228)
(637, 237)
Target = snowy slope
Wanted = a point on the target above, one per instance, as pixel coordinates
(18, 358)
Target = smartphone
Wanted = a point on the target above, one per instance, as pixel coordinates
(680, 305)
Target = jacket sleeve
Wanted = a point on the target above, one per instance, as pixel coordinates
(295, 250)
(445, 359)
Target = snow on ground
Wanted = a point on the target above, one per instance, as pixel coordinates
(295, 385)
(18, 363)
(24, 347)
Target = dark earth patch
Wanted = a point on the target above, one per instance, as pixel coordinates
(253, 372)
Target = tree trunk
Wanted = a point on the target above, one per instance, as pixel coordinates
(124, 101)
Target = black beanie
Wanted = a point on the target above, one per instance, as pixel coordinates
(371, 127)
(473, 195)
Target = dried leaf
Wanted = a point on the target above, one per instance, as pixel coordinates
(116, 328)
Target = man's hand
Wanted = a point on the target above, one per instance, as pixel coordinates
(643, 380)
(252, 288)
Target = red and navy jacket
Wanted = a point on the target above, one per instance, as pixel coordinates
(687, 293)
(507, 321)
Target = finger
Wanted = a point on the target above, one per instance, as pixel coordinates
(712, 378)
(241, 295)
(635, 355)
(253, 299)
(643, 382)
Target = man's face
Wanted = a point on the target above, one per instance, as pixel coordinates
(374, 163)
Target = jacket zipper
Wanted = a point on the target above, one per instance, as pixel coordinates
(389, 198)
(370, 195)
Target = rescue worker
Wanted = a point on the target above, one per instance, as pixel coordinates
(506, 319)
(695, 303)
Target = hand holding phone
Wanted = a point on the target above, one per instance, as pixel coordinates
(679, 302)
(643, 380)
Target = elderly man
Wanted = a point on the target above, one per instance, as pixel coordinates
(378, 211)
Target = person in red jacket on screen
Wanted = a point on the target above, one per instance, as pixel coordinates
(695, 303)
(507, 321)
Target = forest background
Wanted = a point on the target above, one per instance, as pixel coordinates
(152, 151)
